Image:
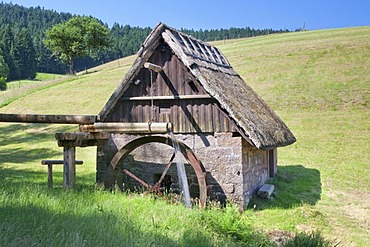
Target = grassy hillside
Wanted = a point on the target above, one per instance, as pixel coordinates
(317, 81)
(319, 84)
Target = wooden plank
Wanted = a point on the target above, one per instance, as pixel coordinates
(210, 53)
(196, 48)
(209, 118)
(175, 118)
(182, 117)
(202, 117)
(180, 85)
(58, 162)
(45, 118)
(183, 39)
(216, 118)
(196, 115)
(217, 55)
(172, 97)
(188, 123)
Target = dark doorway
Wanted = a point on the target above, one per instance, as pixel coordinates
(272, 163)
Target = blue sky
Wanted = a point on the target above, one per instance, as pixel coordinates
(275, 14)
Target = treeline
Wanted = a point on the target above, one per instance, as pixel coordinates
(231, 33)
(23, 31)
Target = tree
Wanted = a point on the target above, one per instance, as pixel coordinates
(7, 46)
(80, 36)
(24, 55)
(4, 71)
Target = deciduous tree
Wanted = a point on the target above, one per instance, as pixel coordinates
(78, 37)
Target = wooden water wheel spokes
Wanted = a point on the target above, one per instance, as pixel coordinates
(156, 187)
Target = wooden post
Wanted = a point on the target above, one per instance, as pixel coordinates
(69, 167)
(50, 176)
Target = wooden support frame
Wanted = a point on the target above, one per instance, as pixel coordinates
(50, 164)
(69, 142)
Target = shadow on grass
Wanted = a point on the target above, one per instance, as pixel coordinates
(33, 225)
(29, 144)
(33, 215)
(294, 185)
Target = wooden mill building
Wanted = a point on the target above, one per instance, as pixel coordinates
(227, 133)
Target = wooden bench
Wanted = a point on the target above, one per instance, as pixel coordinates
(66, 173)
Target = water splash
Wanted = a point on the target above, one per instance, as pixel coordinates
(183, 180)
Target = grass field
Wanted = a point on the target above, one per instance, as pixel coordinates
(317, 81)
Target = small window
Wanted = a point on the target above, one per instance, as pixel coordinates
(192, 85)
(164, 108)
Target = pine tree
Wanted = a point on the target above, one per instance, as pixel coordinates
(24, 55)
(4, 71)
(7, 48)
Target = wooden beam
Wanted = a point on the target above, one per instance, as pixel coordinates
(42, 118)
(58, 162)
(152, 66)
(81, 136)
(181, 97)
(127, 127)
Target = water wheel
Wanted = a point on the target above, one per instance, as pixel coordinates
(184, 149)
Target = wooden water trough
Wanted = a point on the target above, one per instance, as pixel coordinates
(92, 132)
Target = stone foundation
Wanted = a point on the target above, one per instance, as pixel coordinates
(235, 169)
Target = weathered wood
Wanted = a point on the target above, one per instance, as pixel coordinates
(69, 167)
(152, 66)
(72, 136)
(39, 118)
(127, 127)
(58, 162)
(183, 97)
(81, 139)
(50, 164)
(50, 176)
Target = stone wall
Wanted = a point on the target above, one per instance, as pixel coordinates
(234, 168)
(255, 169)
(221, 156)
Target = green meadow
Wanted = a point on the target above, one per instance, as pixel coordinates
(317, 81)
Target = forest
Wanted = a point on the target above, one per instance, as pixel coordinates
(23, 51)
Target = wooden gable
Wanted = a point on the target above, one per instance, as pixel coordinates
(197, 91)
(173, 95)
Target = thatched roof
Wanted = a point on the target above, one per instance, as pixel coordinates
(253, 118)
